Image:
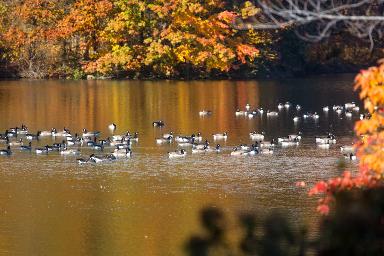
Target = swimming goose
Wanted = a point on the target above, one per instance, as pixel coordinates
(177, 154)
(10, 133)
(22, 130)
(241, 113)
(280, 106)
(216, 149)
(260, 110)
(296, 119)
(26, 148)
(356, 109)
(313, 116)
(6, 152)
(47, 133)
(336, 107)
(112, 127)
(256, 136)
(365, 116)
(348, 114)
(287, 105)
(189, 143)
(205, 113)
(158, 123)
(298, 107)
(4, 139)
(82, 161)
(220, 136)
(267, 144)
(350, 105)
(326, 109)
(134, 138)
(168, 135)
(272, 113)
(247, 107)
(238, 152)
(90, 134)
(65, 132)
(33, 136)
(96, 159)
(347, 149)
(164, 140)
(122, 152)
(324, 140)
(201, 146)
(66, 151)
(43, 150)
(350, 156)
(295, 136)
(197, 150)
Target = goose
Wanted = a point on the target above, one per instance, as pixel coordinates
(164, 140)
(295, 136)
(98, 147)
(356, 109)
(118, 137)
(134, 138)
(267, 144)
(280, 106)
(220, 136)
(95, 159)
(289, 143)
(287, 105)
(201, 146)
(251, 115)
(86, 133)
(247, 107)
(16, 143)
(296, 119)
(350, 105)
(313, 116)
(298, 107)
(350, 156)
(123, 146)
(66, 151)
(260, 110)
(65, 132)
(244, 147)
(6, 152)
(336, 107)
(198, 137)
(33, 136)
(10, 133)
(348, 114)
(43, 150)
(82, 161)
(190, 143)
(122, 152)
(241, 113)
(197, 150)
(339, 111)
(216, 149)
(266, 151)
(324, 140)
(177, 154)
(326, 109)
(168, 135)
(158, 123)
(365, 116)
(112, 127)
(272, 113)
(205, 113)
(47, 133)
(182, 138)
(26, 148)
(238, 152)
(347, 149)
(256, 136)
(23, 130)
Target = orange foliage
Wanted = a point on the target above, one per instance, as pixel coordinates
(370, 148)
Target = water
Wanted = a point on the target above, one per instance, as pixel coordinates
(148, 205)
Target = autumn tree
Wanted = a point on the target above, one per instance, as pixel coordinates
(167, 37)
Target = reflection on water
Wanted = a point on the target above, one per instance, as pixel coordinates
(149, 204)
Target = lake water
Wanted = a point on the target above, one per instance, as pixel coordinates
(149, 204)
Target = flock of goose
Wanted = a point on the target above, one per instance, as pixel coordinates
(121, 145)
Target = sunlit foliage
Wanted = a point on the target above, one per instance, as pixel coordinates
(370, 147)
